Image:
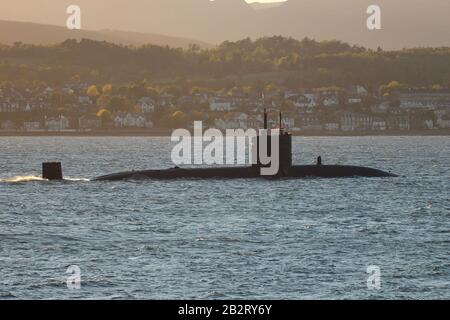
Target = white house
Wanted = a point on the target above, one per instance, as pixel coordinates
(32, 126)
(131, 120)
(220, 104)
(57, 123)
(444, 122)
(379, 124)
(146, 105)
(354, 100)
(331, 126)
(330, 101)
(424, 100)
(9, 106)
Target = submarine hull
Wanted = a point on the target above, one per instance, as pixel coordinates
(294, 172)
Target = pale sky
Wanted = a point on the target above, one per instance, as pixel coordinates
(250, 1)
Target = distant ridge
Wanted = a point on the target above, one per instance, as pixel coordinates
(405, 23)
(35, 33)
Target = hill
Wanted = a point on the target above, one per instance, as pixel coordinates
(406, 23)
(305, 63)
(34, 33)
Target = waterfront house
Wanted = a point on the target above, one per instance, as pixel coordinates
(379, 124)
(131, 120)
(424, 100)
(351, 121)
(60, 123)
(32, 126)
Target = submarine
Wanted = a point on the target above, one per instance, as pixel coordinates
(53, 171)
(286, 168)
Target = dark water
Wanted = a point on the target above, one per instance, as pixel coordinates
(225, 239)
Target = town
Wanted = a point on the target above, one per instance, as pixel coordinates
(89, 109)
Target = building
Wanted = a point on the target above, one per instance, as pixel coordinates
(399, 122)
(330, 101)
(220, 104)
(424, 100)
(443, 122)
(131, 120)
(60, 123)
(146, 105)
(379, 124)
(351, 121)
(8, 125)
(331, 126)
(32, 126)
(9, 106)
(310, 122)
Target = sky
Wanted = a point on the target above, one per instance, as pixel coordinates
(264, 1)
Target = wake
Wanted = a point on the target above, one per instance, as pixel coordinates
(32, 178)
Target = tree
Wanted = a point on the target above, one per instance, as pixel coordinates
(107, 89)
(105, 116)
(118, 103)
(92, 91)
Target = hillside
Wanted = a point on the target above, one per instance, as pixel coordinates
(305, 63)
(406, 23)
(33, 33)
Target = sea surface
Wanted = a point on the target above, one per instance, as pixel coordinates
(235, 239)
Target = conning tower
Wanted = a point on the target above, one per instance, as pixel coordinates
(285, 146)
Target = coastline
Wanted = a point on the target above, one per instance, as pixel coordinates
(168, 133)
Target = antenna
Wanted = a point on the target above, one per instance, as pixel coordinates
(265, 119)
(281, 123)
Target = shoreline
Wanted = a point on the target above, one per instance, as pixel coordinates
(168, 133)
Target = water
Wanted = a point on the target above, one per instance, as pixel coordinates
(289, 239)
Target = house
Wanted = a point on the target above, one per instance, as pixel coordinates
(9, 106)
(330, 100)
(307, 100)
(7, 125)
(424, 100)
(443, 122)
(382, 107)
(399, 122)
(220, 104)
(57, 123)
(89, 122)
(379, 124)
(290, 95)
(146, 105)
(84, 100)
(32, 126)
(310, 122)
(358, 91)
(331, 126)
(354, 100)
(361, 91)
(288, 123)
(131, 120)
(351, 121)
